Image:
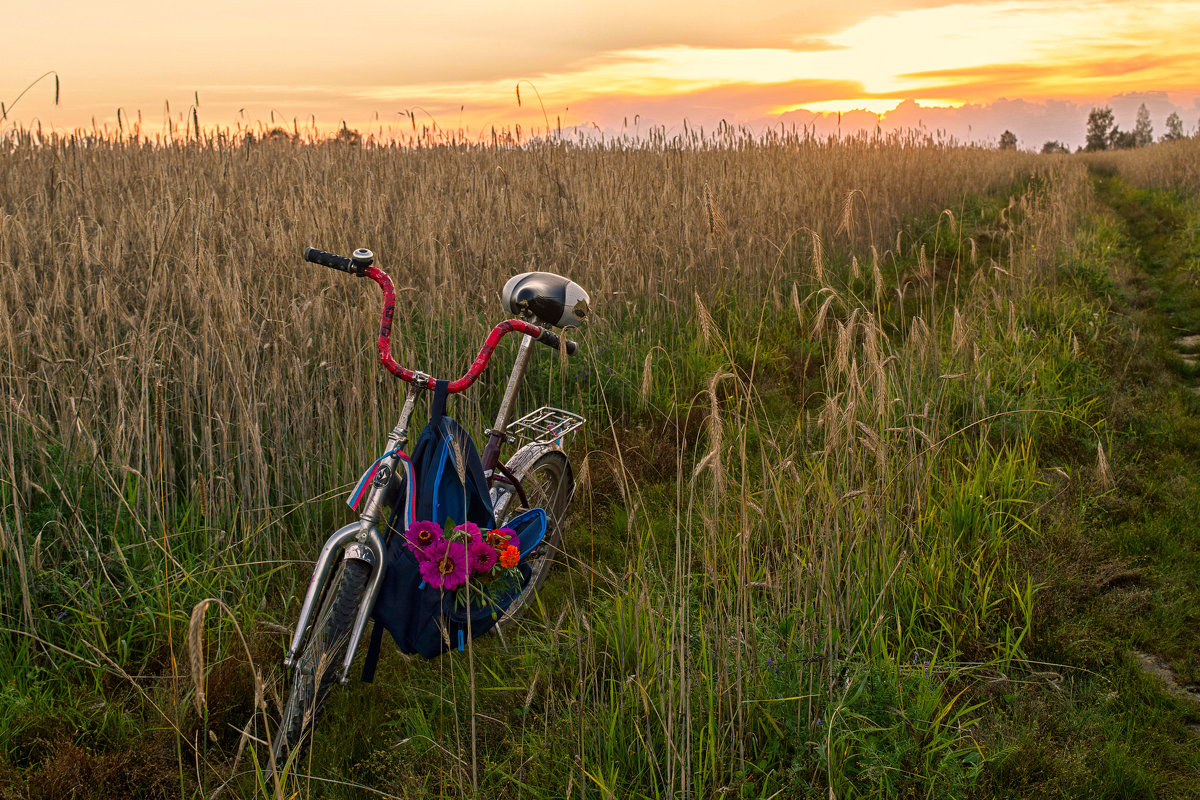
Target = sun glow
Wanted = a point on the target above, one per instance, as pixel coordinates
(873, 105)
(965, 53)
(771, 61)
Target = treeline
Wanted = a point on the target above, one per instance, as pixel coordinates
(1103, 133)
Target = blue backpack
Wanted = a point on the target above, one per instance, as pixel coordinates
(421, 619)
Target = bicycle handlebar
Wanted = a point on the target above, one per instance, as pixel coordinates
(552, 340)
(361, 266)
(356, 264)
(328, 259)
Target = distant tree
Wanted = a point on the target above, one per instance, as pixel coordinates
(1008, 141)
(1055, 147)
(1174, 128)
(1100, 126)
(349, 136)
(1143, 131)
(1121, 140)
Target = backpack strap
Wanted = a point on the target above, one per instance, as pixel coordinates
(372, 659)
(437, 409)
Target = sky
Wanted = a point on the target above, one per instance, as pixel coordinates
(970, 69)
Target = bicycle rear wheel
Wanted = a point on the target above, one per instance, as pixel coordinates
(320, 661)
(549, 484)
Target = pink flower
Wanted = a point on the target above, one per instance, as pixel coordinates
(421, 535)
(435, 551)
(444, 565)
(482, 557)
(471, 530)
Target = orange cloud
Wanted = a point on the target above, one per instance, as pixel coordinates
(1069, 78)
(460, 65)
(733, 102)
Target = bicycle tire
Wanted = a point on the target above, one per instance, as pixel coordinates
(549, 484)
(320, 661)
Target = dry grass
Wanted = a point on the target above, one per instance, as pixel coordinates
(158, 325)
(1173, 165)
(155, 315)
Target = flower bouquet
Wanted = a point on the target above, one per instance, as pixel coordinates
(479, 567)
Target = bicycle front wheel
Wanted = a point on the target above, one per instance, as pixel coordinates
(549, 484)
(320, 661)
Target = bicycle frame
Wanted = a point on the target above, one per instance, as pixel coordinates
(363, 540)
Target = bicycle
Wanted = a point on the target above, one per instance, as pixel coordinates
(350, 568)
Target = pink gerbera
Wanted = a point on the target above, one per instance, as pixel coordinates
(482, 557)
(445, 565)
(421, 535)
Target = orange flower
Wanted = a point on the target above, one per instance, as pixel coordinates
(510, 557)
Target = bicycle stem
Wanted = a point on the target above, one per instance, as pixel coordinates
(397, 439)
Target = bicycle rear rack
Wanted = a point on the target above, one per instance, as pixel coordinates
(545, 426)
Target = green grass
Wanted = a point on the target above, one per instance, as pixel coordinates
(896, 571)
(1119, 567)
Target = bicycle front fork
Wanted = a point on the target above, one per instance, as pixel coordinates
(359, 540)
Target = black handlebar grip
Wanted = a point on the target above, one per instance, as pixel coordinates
(330, 260)
(551, 340)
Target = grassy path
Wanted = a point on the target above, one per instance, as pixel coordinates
(1121, 570)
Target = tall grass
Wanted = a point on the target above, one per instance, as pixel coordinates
(1174, 165)
(816, 373)
(158, 317)
(840, 581)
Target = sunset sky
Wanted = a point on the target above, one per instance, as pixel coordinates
(973, 69)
